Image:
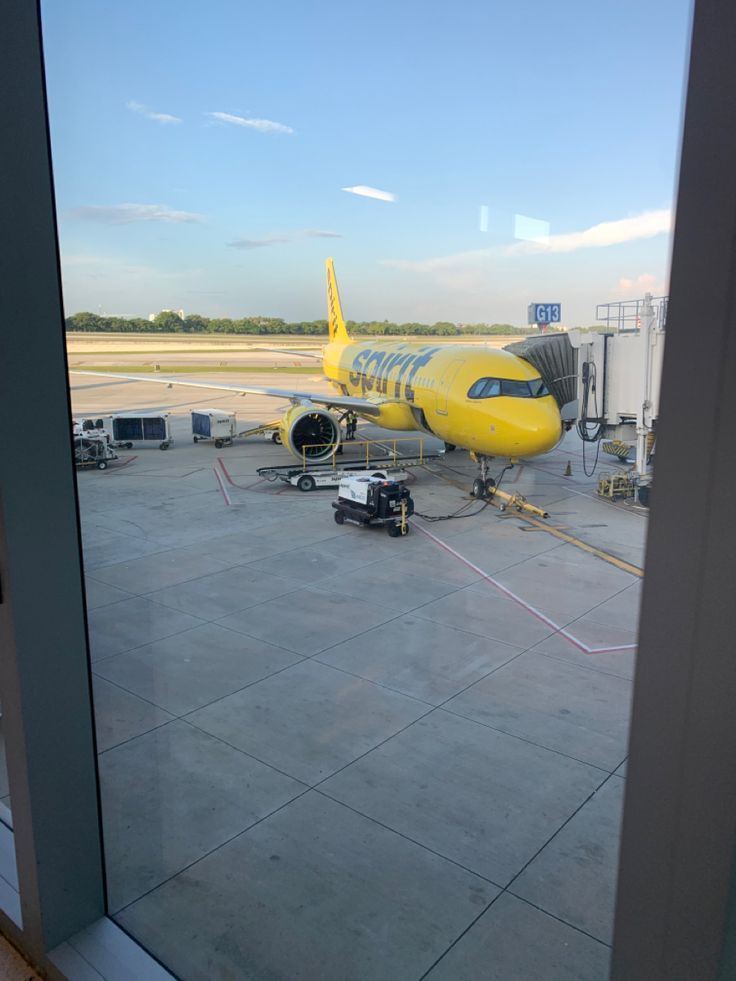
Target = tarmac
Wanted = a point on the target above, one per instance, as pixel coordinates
(329, 754)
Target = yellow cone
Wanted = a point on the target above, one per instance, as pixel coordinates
(568, 470)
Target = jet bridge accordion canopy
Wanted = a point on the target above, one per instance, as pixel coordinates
(555, 359)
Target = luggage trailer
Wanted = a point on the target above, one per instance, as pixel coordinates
(221, 427)
(214, 425)
(326, 475)
(141, 427)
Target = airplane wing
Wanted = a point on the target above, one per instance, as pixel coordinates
(362, 406)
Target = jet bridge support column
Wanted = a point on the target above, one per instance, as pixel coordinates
(644, 412)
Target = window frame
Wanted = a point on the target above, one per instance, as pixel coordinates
(676, 888)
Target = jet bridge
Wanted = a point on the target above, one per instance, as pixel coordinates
(608, 382)
(619, 378)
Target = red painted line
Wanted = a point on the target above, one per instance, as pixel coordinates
(128, 461)
(222, 486)
(556, 628)
(226, 472)
(232, 482)
(189, 473)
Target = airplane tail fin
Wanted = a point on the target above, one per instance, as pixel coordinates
(335, 323)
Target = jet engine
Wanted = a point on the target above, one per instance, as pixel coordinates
(309, 432)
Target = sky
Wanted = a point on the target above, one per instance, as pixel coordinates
(458, 160)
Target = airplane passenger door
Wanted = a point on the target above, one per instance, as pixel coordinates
(446, 380)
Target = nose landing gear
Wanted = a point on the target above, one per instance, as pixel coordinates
(485, 488)
(483, 485)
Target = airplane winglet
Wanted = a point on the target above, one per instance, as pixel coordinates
(335, 323)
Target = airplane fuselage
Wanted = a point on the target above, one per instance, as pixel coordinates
(436, 388)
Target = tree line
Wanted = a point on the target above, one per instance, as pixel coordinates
(169, 322)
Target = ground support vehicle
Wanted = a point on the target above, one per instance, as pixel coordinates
(369, 500)
(214, 425)
(148, 427)
(327, 475)
(94, 426)
(92, 449)
(617, 484)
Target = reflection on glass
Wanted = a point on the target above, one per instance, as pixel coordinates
(531, 229)
(325, 751)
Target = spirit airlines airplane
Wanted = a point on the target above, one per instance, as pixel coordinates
(487, 401)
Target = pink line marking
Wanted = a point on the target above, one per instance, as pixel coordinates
(556, 628)
(222, 486)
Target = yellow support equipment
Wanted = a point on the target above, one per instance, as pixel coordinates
(615, 447)
(390, 448)
(519, 502)
(613, 485)
(260, 429)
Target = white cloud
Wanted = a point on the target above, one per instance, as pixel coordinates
(125, 214)
(646, 225)
(258, 243)
(119, 285)
(465, 272)
(462, 264)
(645, 283)
(441, 262)
(159, 117)
(370, 192)
(281, 238)
(262, 125)
(81, 267)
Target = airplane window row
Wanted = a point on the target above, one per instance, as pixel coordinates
(486, 388)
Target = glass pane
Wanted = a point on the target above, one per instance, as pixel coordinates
(4, 788)
(329, 748)
(516, 389)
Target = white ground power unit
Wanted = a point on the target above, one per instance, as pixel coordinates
(92, 448)
(141, 427)
(372, 501)
(214, 424)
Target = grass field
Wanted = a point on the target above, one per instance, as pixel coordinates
(183, 369)
(167, 351)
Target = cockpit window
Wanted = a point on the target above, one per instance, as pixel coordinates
(486, 388)
(517, 389)
(538, 388)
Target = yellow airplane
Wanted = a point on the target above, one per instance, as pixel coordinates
(487, 401)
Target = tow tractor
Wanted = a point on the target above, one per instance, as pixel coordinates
(368, 500)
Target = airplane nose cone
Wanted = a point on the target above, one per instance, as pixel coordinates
(541, 430)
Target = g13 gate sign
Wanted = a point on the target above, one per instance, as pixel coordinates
(544, 313)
